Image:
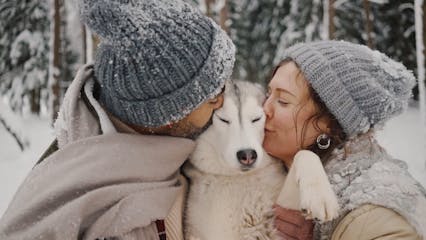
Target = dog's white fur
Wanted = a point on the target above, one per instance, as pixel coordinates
(229, 201)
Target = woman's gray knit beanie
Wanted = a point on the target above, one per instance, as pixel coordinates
(361, 87)
(158, 60)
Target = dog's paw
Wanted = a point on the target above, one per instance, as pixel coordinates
(318, 201)
(317, 198)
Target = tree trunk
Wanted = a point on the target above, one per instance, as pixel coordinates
(35, 101)
(325, 19)
(224, 16)
(368, 23)
(208, 7)
(56, 60)
(331, 14)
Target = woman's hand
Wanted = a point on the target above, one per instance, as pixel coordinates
(292, 225)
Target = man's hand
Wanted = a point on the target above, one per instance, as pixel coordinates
(291, 224)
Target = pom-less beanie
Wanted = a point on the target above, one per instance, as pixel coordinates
(158, 60)
(361, 87)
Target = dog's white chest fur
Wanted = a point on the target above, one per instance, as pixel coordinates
(233, 207)
(234, 183)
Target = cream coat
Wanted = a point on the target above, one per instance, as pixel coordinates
(374, 222)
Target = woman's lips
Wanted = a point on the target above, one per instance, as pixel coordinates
(268, 130)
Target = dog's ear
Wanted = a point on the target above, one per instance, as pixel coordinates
(229, 85)
(261, 93)
(259, 86)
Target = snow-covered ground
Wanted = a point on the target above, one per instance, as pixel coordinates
(15, 165)
(402, 137)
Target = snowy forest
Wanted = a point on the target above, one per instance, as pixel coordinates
(43, 43)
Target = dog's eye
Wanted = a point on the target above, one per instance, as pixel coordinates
(256, 119)
(224, 120)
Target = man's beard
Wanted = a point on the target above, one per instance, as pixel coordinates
(199, 131)
(188, 130)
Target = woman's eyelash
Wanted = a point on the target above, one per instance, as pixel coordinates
(282, 102)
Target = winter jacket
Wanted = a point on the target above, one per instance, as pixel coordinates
(378, 198)
(374, 222)
(100, 183)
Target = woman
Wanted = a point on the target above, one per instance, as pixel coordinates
(329, 97)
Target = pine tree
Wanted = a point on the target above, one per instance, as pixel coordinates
(304, 24)
(24, 38)
(349, 21)
(256, 27)
(395, 31)
(392, 30)
(261, 30)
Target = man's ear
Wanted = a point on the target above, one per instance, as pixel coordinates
(216, 102)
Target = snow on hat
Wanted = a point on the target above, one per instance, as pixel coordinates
(158, 60)
(361, 87)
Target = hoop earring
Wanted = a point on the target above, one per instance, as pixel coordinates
(323, 141)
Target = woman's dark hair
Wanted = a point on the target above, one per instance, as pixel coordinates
(336, 134)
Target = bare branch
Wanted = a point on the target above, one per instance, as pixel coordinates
(21, 143)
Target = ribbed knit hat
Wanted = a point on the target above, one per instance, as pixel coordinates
(361, 87)
(158, 60)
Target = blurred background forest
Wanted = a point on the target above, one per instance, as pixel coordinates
(42, 43)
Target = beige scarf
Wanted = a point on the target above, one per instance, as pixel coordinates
(97, 186)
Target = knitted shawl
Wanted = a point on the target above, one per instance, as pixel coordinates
(363, 173)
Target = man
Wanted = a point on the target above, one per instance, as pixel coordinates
(125, 126)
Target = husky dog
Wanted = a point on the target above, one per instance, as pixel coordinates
(234, 183)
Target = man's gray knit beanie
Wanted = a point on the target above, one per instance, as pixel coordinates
(158, 60)
(362, 88)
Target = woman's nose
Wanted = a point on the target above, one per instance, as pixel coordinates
(267, 108)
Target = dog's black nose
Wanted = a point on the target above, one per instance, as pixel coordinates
(247, 157)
